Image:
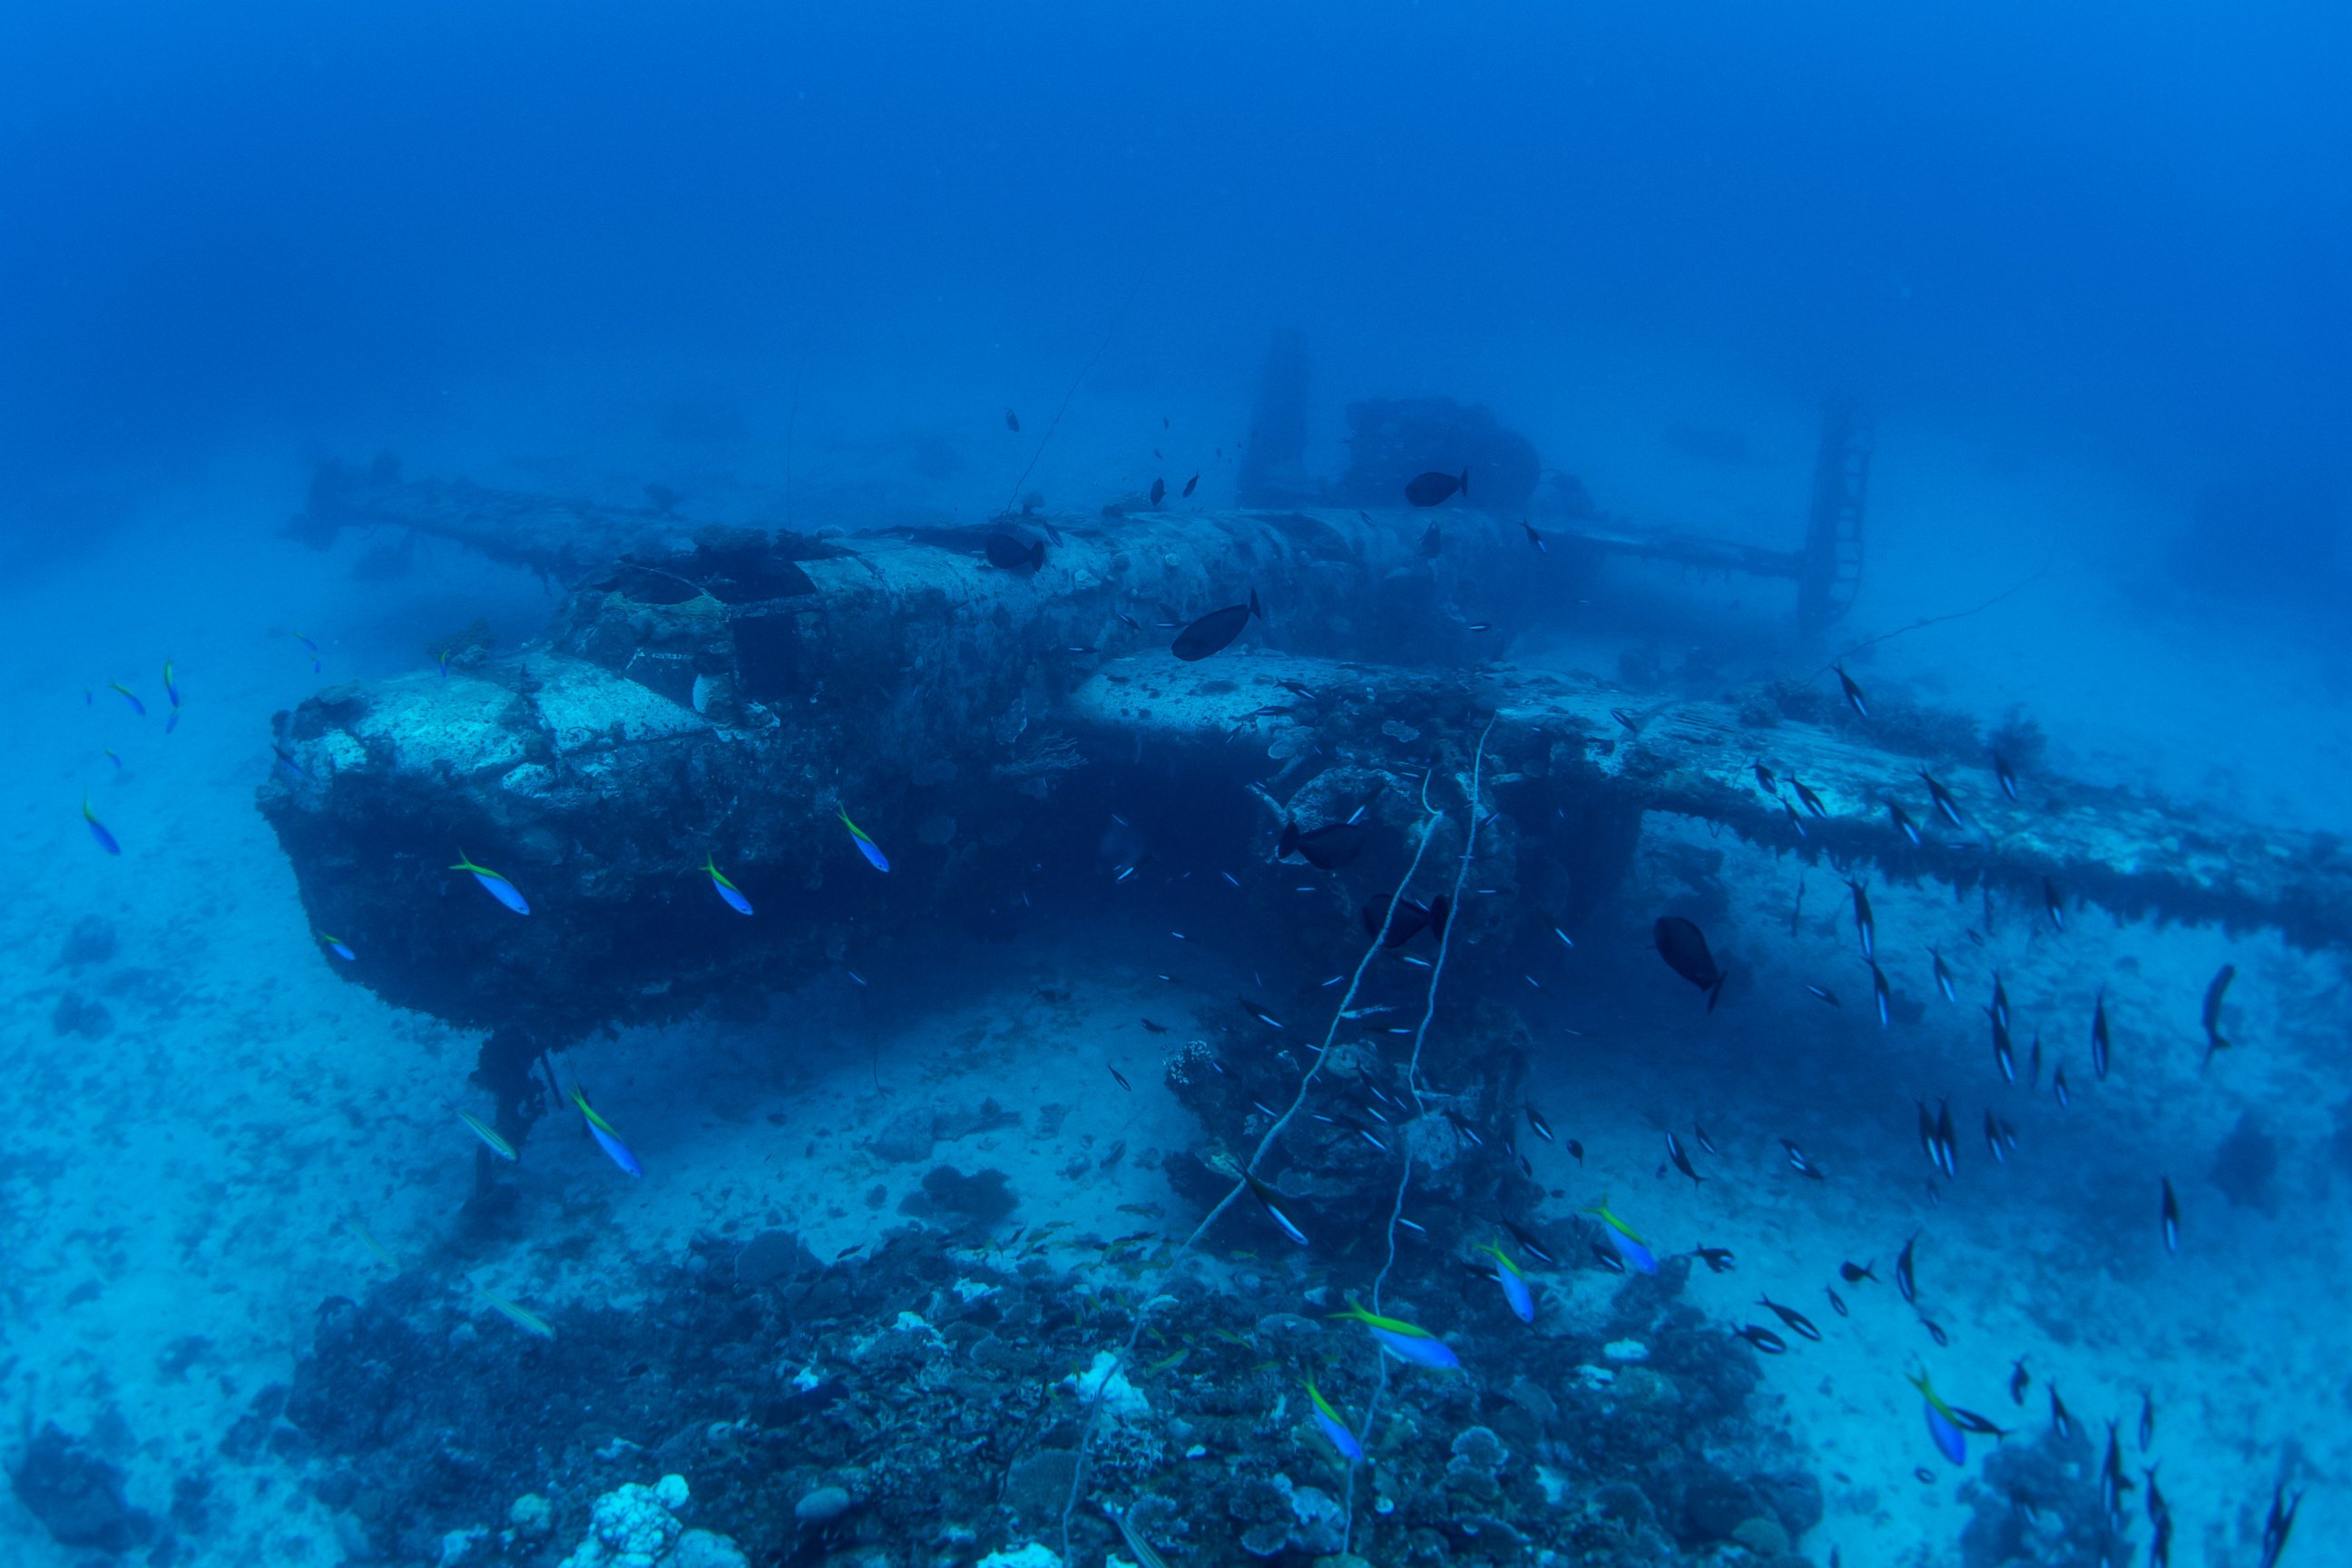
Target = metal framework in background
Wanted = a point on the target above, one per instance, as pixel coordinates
(1831, 572)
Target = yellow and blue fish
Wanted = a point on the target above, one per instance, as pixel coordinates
(128, 696)
(1327, 1421)
(488, 1134)
(498, 887)
(606, 1139)
(1514, 1284)
(337, 946)
(1629, 1245)
(865, 846)
(106, 840)
(727, 890)
(1406, 1342)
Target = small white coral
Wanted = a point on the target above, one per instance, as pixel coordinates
(1027, 1555)
(636, 1526)
(1121, 1400)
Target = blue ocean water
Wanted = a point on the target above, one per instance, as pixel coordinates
(797, 309)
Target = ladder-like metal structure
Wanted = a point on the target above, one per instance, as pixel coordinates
(1831, 572)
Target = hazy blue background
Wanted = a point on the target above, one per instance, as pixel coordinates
(2126, 228)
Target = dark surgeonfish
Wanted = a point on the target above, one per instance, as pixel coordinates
(2214, 991)
(1214, 631)
(1158, 491)
(1409, 920)
(1684, 947)
(1327, 848)
(1852, 693)
(1008, 553)
(1190, 485)
(1429, 489)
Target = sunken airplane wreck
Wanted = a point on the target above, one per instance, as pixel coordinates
(741, 710)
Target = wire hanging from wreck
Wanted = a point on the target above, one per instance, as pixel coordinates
(1264, 1144)
(1430, 823)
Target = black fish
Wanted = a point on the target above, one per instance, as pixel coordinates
(1120, 1079)
(2001, 770)
(1880, 994)
(2033, 1072)
(1260, 1014)
(1004, 551)
(1927, 1135)
(2003, 1056)
(1923, 1475)
(1837, 1303)
(2146, 1421)
(1429, 489)
(1855, 1273)
(1812, 802)
(1266, 1198)
(1799, 1164)
(1764, 1339)
(1012, 422)
(2020, 1379)
(2099, 1041)
(1681, 1160)
(1853, 692)
(2171, 1218)
(1906, 1280)
(1214, 630)
(1327, 848)
(1794, 820)
(1461, 1125)
(2058, 1088)
(2279, 1525)
(2053, 905)
(2113, 1482)
(2000, 1000)
(1536, 1120)
(1533, 537)
(1943, 799)
(1791, 1316)
(1155, 1028)
(1158, 491)
(1948, 1138)
(1608, 1257)
(1936, 1331)
(1864, 927)
(1529, 1243)
(1902, 820)
(1993, 1143)
(2214, 991)
(2059, 1422)
(1969, 1421)
(1719, 1260)
(1186, 494)
(1576, 1149)
(1410, 920)
(1764, 779)
(1705, 1141)
(1431, 541)
(1942, 977)
(1823, 994)
(1684, 947)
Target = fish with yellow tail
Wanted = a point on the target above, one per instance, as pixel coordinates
(606, 1139)
(1630, 1246)
(1327, 1422)
(1406, 1342)
(498, 887)
(106, 840)
(728, 891)
(865, 846)
(1515, 1292)
(1943, 1425)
